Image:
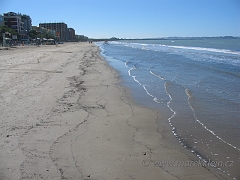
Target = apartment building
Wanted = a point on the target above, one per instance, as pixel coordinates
(13, 21)
(18, 22)
(60, 28)
(27, 22)
(71, 34)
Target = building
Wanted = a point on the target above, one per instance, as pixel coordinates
(2, 21)
(13, 21)
(22, 24)
(71, 34)
(44, 30)
(27, 22)
(60, 28)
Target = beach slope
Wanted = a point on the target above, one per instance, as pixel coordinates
(63, 115)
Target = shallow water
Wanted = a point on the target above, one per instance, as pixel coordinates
(198, 81)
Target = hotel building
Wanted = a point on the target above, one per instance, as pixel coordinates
(60, 28)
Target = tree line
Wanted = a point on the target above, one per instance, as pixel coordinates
(33, 34)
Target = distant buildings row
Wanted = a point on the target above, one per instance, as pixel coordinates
(22, 24)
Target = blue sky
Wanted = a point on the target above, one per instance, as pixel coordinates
(135, 18)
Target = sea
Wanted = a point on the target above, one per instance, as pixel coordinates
(195, 83)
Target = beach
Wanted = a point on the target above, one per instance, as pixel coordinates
(64, 115)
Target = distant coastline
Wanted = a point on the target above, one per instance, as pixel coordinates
(191, 38)
(166, 38)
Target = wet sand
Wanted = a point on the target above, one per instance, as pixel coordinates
(65, 116)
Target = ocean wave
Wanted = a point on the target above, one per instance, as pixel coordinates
(168, 47)
(162, 78)
(226, 51)
(188, 93)
(211, 55)
(126, 64)
(156, 67)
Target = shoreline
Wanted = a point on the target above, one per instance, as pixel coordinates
(187, 128)
(65, 115)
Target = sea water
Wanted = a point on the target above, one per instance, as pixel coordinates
(197, 83)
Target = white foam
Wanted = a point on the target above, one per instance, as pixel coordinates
(194, 114)
(160, 46)
(157, 76)
(168, 105)
(134, 77)
(144, 87)
(155, 99)
(226, 51)
(126, 64)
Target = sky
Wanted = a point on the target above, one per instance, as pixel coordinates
(135, 18)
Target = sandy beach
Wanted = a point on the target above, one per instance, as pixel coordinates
(64, 115)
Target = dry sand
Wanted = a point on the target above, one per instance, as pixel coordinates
(65, 116)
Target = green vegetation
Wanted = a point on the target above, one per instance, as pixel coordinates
(81, 38)
(8, 32)
(33, 34)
